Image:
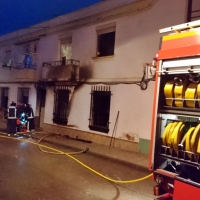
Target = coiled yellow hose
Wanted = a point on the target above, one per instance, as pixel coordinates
(58, 152)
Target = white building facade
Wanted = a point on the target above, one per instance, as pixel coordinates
(82, 72)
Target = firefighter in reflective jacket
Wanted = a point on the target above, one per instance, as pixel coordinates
(30, 114)
(11, 120)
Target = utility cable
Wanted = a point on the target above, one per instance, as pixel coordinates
(58, 152)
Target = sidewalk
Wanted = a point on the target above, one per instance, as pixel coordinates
(134, 159)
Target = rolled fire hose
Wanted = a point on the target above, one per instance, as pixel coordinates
(168, 92)
(187, 138)
(171, 130)
(172, 138)
(179, 94)
(176, 136)
(190, 93)
(172, 134)
(166, 133)
(198, 94)
(198, 145)
(195, 140)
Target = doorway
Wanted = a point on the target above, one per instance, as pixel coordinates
(42, 94)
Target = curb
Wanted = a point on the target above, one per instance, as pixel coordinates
(130, 164)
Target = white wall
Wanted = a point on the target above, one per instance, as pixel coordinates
(13, 89)
(137, 42)
(48, 115)
(134, 106)
(80, 107)
(47, 50)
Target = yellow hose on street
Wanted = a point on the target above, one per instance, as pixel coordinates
(58, 152)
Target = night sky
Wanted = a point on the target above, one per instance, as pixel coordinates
(17, 14)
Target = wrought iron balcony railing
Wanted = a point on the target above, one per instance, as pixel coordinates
(62, 62)
(63, 70)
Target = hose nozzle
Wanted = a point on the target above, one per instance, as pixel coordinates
(86, 150)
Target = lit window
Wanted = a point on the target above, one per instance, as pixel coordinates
(66, 49)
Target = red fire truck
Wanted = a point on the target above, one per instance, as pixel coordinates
(175, 135)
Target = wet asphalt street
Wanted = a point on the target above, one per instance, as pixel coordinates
(27, 173)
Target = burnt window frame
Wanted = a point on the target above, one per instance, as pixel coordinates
(60, 108)
(100, 108)
(106, 36)
(192, 14)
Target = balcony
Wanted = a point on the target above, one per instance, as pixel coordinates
(64, 70)
(18, 72)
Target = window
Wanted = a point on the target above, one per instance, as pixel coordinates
(106, 40)
(25, 55)
(4, 100)
(100, 109)
(193, 10)
(30, 55)
(23, 95)
(66, 50)
(7, 61)
(31, 47)
(61, 100)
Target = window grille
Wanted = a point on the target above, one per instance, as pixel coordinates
(100, 108)
(61, 101)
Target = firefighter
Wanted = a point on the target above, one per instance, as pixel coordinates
(22, 117)
(23, 122)
(31, 123)
(11, 120)
(20, 110)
